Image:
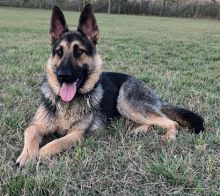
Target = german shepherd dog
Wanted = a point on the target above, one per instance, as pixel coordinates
(79, 97)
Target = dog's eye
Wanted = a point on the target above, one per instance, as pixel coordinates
(78, 51)
(59, 52)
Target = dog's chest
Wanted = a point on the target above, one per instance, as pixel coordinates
(80, 113)
(69, 115)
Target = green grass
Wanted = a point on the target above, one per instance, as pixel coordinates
(179, 58)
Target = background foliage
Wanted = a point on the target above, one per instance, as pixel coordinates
(180, 8)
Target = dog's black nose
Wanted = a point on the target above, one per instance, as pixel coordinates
(64, 75)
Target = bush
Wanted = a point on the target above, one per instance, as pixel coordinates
(147, 7)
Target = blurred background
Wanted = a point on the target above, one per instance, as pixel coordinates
(178, 8)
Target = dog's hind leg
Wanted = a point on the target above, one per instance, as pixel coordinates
(148, 119)
(138, 103)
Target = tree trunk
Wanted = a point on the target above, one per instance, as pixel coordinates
(109, 6)
(119, 6)
(196, 12)
(177, 7)
(162, 10)
(79, 5)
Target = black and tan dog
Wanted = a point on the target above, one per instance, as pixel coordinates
(78, 96)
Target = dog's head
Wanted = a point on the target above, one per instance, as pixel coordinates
(74, 67)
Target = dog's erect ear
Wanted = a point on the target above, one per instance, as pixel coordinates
(87, 24)
(58, 24)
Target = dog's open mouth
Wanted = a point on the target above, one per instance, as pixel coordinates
(68, 91)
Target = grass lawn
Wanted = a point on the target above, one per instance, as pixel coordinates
(179, 58)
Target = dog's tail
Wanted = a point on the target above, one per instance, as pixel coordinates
(184, 117)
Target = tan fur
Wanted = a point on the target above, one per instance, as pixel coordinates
(165, 122)
(74, 43)
(65, 45)
(66, 116)
(43, 124)
(146, 120)
(86, 112)
(140, 129)
(84, 59)
(52, 78)
(126, 110)
(62, 143)
(96, 70)
(69, 119)
(30, 151)
(56, 59)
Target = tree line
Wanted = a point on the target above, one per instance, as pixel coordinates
(179, 8)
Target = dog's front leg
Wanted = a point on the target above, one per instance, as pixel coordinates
(32, 139)
(63, 143)
(41, 125)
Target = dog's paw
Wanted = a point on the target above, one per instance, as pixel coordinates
(169, 137)
(135, 134)
(25, 156)
(139, 130)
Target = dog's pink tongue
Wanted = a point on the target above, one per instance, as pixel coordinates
(68, 91)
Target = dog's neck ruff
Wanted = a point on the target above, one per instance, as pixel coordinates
(92, 99)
